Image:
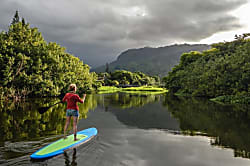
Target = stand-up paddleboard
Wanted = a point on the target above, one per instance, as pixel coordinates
(62, 144)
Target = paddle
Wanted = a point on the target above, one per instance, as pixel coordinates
(41, 110)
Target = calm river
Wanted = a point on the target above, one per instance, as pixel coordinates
(134, 130)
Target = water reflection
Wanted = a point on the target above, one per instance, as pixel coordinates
(22, 121)
(124, 100)
(145, 112)
(67, 158)
(228, 126)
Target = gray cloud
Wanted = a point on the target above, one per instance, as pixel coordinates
(97, 31)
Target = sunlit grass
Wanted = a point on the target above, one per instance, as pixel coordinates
(145, 92)
(135, 90)
(143, 88)
(108, 89)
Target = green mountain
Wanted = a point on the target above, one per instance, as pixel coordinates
(152, 61)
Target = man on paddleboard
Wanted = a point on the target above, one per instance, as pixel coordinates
(72, 108)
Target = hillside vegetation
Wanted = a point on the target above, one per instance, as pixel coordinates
(223, 70)
(151, 61)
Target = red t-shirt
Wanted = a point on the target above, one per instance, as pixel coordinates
(72, 99)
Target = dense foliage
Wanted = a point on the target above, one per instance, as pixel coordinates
(31, 66)
(122, 77)
(220, 71)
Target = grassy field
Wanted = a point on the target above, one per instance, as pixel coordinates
(140, 90)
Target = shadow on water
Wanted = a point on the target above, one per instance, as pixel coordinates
(67, 158)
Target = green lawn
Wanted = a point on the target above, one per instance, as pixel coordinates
(140, 90)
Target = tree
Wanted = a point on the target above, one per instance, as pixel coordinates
(222, 70)
(124, 77)
(23, 21)
(31, 66)
(16, 18)
(107, 68)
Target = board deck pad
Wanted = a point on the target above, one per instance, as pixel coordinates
(59, 146)
(62, 143)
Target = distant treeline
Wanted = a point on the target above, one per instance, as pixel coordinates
(126, 78)
(29, 66)
(223, 70)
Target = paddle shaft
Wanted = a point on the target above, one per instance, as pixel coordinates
(56, 103)
(41, 110)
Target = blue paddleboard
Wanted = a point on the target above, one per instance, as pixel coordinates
(59, 146)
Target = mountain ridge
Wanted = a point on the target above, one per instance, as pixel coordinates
(152, 61)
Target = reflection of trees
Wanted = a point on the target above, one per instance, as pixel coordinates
(137, 110)
(228, 124)
(123, 100)
(89, 104)
(22, 121)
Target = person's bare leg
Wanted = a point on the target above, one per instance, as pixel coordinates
(75, 120)
(66, 125)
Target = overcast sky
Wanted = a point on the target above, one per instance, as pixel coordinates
(99, 30)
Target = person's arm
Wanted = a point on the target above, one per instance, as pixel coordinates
(84, 96)
(81, 100)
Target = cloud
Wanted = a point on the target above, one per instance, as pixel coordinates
(185, 20)
(101, 29)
